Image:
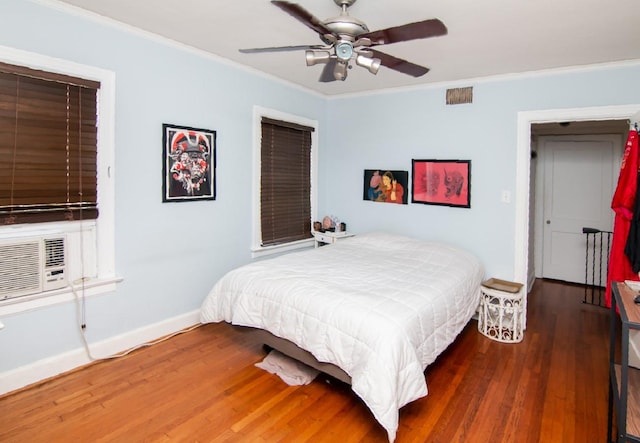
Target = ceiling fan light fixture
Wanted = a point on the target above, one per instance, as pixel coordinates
(340, 71)
(344, 51)
(372, 64)
(316, 57)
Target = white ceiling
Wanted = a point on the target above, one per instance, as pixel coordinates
(486, 38)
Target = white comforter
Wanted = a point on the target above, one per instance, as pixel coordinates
(379, 306)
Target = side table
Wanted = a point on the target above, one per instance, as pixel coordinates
(501, 313)
(328, 238)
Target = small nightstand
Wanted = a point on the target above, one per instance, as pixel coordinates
(501, 311)
(328, 238)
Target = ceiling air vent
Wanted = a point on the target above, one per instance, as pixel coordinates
(459, 96)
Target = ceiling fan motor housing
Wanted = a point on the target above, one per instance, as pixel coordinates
(345, 25)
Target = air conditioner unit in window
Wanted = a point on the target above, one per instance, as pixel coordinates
(32, 265)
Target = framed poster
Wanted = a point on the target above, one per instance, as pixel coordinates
(188, 168)
(386, 186)
(441, 182)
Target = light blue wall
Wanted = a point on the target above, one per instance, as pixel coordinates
(169, 254)
(387, 131)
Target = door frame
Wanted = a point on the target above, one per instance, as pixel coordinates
(523, 165)
(538, 193)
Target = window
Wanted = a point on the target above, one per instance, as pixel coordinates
(285, 182)
(286, 175)
(48, 146)
(90, 240)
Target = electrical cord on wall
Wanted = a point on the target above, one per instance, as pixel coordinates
(81, 317)
(81, 308)
(81, 313)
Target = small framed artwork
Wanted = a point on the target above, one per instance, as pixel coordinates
(188, 168)
(441, 182)
(386, 186)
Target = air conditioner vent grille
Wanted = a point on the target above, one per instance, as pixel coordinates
(54, 252)
(19, 268)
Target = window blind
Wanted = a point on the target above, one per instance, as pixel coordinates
(48, 146)
(285, 184)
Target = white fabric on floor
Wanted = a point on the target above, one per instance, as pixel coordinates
(291, 371)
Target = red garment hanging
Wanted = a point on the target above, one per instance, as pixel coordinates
(622, 204)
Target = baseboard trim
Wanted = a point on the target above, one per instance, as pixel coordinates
(47, 368)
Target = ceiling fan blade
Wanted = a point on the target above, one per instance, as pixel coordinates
(281, 49)
(411, 31)
(400, 65)
(327, 73)
(303, 16)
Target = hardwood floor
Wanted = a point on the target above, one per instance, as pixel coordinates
(203, 386)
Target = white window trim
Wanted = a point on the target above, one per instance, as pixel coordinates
(257, 250)
(105, 224)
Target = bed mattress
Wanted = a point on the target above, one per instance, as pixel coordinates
(381, 307)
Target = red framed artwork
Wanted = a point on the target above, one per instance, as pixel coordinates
(441, 182)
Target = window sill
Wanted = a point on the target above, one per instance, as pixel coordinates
(96, 286)
(263, 251)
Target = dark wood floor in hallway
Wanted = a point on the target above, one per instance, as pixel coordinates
(203, 386)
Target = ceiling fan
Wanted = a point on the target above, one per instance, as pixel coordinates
(347, 39)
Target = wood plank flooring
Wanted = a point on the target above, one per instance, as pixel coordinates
(202, 386)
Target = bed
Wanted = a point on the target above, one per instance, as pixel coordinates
(378, 307)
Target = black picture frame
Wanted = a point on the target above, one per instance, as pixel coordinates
(441, 182)
(378, 185)
(188, 163)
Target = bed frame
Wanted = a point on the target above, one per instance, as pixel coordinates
(296, 352)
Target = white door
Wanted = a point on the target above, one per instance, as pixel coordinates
(579, 179)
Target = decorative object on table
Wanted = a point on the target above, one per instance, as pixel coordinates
(441, 182)
(335, 223)
(327, 223)
(386, 186)
(188, 167)
(330, 223)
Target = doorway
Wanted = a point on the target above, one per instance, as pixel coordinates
(523, 258)
(573, 180)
